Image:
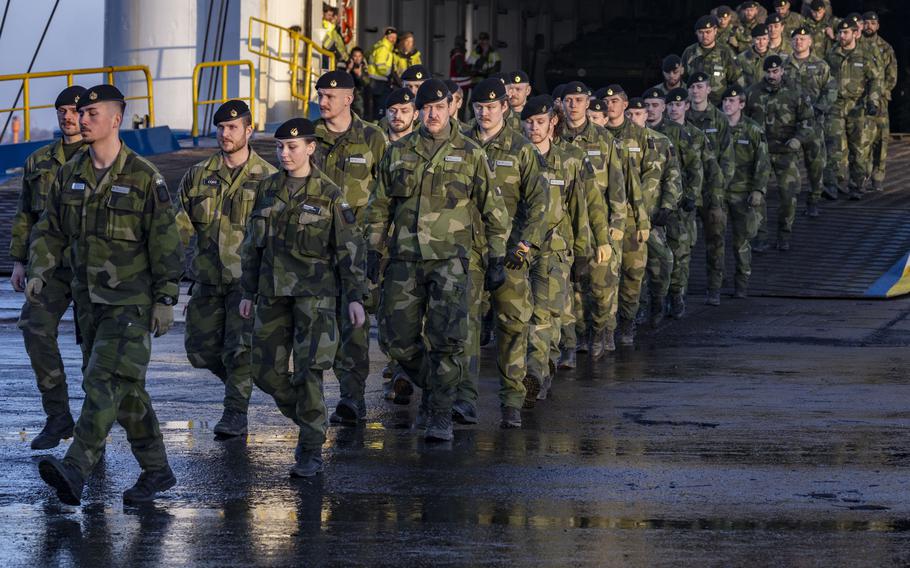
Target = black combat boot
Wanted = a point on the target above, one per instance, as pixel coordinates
(657, 310)
(439, 427)
(598, 339)
(626, 332)
(63, 477)
(712, 298)
(532, 388)
(812, 210)
(677, 306)
(583, 340)
(348, 412)
(567, 359)
(511, 417)
(309, 463)
(232, 424)
(56, 428)
(149, 484)
(403, 388)
(463, 412)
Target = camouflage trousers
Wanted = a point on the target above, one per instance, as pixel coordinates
(881, 133)
(634, 263)
(744, 223)
(116, 346)
(303, 328)
(218, 339)
(562, 308)
(682, 234)
(786, 172)
(512, 304)
(849, 144)
(660, 264)
(544, 274)
(815, 158)
(352, 360)
(467, 389)
(425, 314)
(596, 305)
(39, 325)
(714, 224)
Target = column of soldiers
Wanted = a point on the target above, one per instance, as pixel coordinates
(570, 218)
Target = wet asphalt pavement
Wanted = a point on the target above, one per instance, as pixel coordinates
(765, 432)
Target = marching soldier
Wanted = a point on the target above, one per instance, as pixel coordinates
(716, 60)
(413, 77)
(302, 255)
(820, 24)
(673, 71)
(597, 112)
(39, 321)
(790, 19)
(214, 202)
(400, 114)
(751, 60)
(883, 51)
(126, 265)
(777, 42)
(518, 89)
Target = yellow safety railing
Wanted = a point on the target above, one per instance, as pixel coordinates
(291, 45)
(26, 79)
(223, 65)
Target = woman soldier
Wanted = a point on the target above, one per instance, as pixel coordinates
(301, 243)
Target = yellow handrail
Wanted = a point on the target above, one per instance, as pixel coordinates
(224, 89)
(295, 42)
(109, 71)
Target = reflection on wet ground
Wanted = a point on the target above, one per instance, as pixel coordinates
(707, 444)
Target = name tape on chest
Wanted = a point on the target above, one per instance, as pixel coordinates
(857, 63)
(77, 186)
(210, 181)
(314, 209)
(634, 149)
(742, 141)
(357, 160)
(710, 130)
(120, 189)
(454, 159)
(557, 182)
(594, 152)
(504, 163)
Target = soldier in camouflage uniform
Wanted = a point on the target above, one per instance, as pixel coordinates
(660, 205)
(214, 201)
(883, 51)
(642, 174)
(820, 24)
(516, 169)
(859, 96)
(714, 59)
(518, 89)
(39, 322)
(690, 143)
(778, 44)
(718, 166)
(348, 152)
(790, 19)
(673, 72)
(596, 308)
(813, 77)
(434, 191)
(751, 60)
(302, 253)
(111, 211)
(565, 248)
(746, 191)
(399, 123)
(751, 14)
(787, 118)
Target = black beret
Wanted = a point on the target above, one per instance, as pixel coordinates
(597, 105)
(677, 94)
(843, 25)
(335, 80)
(817, 5)
(779, 3)
(416, 73)
(733, 91)
(559, 91)
(518, 78)
(670, 63)
(760, 30)
(99, 93)
(451, 85)
(230, 110)
(854, 17)
(576, 88)
(399, 97)
(653, 94)
(489, 90)
(749, 4)
(69, 96)
(613, 90)
(295, 128)
(637, 103)
(870, 17)
(772, 62)
(723, 10)
(706, 23)
(431, 91)
(600, 93)
(698, 77)
(541, 104)
(801, 31)
(774, 19)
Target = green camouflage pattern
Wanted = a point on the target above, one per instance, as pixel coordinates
(752, 171)
(744, 224)
(821, 43)
(814, 78)
(881, 123)
(540, 326)
(751, 62)
(791, 21)
(783, 50)
(659, 265)
(718, 62)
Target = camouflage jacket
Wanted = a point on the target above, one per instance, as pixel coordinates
(351, 159)
(604, 155)
(813, 76)
(688, 143)
(669, 188)
(214, 205)
(887, 61)
(783, 111)
(750, 154)
(784, 49)
(751, 62)
(663, 89)
(436, 204)
(596, 213)
(569, 176)
(735, 36)
(642, 175)
(719, 63)
(791, 21)
(40, 170)
(302, 242)
(122, 232)
(513, 121)
(516, 166)
(716, 127)
(821, 43)
(859, 79)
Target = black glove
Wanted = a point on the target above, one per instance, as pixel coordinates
(518, 255)
(496, 274)
(662, 217)
(871, 109)
(373, 261)
(581, 270)
(688, 204)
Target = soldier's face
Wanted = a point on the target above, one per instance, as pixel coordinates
(99, 121)
(655, 109)
(775, 76)
(401, 117)
(733, 106)
(576, 105)
(539, 127)
(334, 102)
(638, 116)
(802, 43)
(761, 43)
(783, 10)
(435, 116)
(673, 77)
(698, 92)
(455, 104)
(724, 21)
(871, 27)
(615, 107)
(597, 117)
(818, 15)
(706, 37)
(489, 115)
(294, 153)
(845, 37)
(750, 13)
(68, 120)
(518, 94)
(775, 30)
(413, 86)
(233, 135)
(676, 110)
